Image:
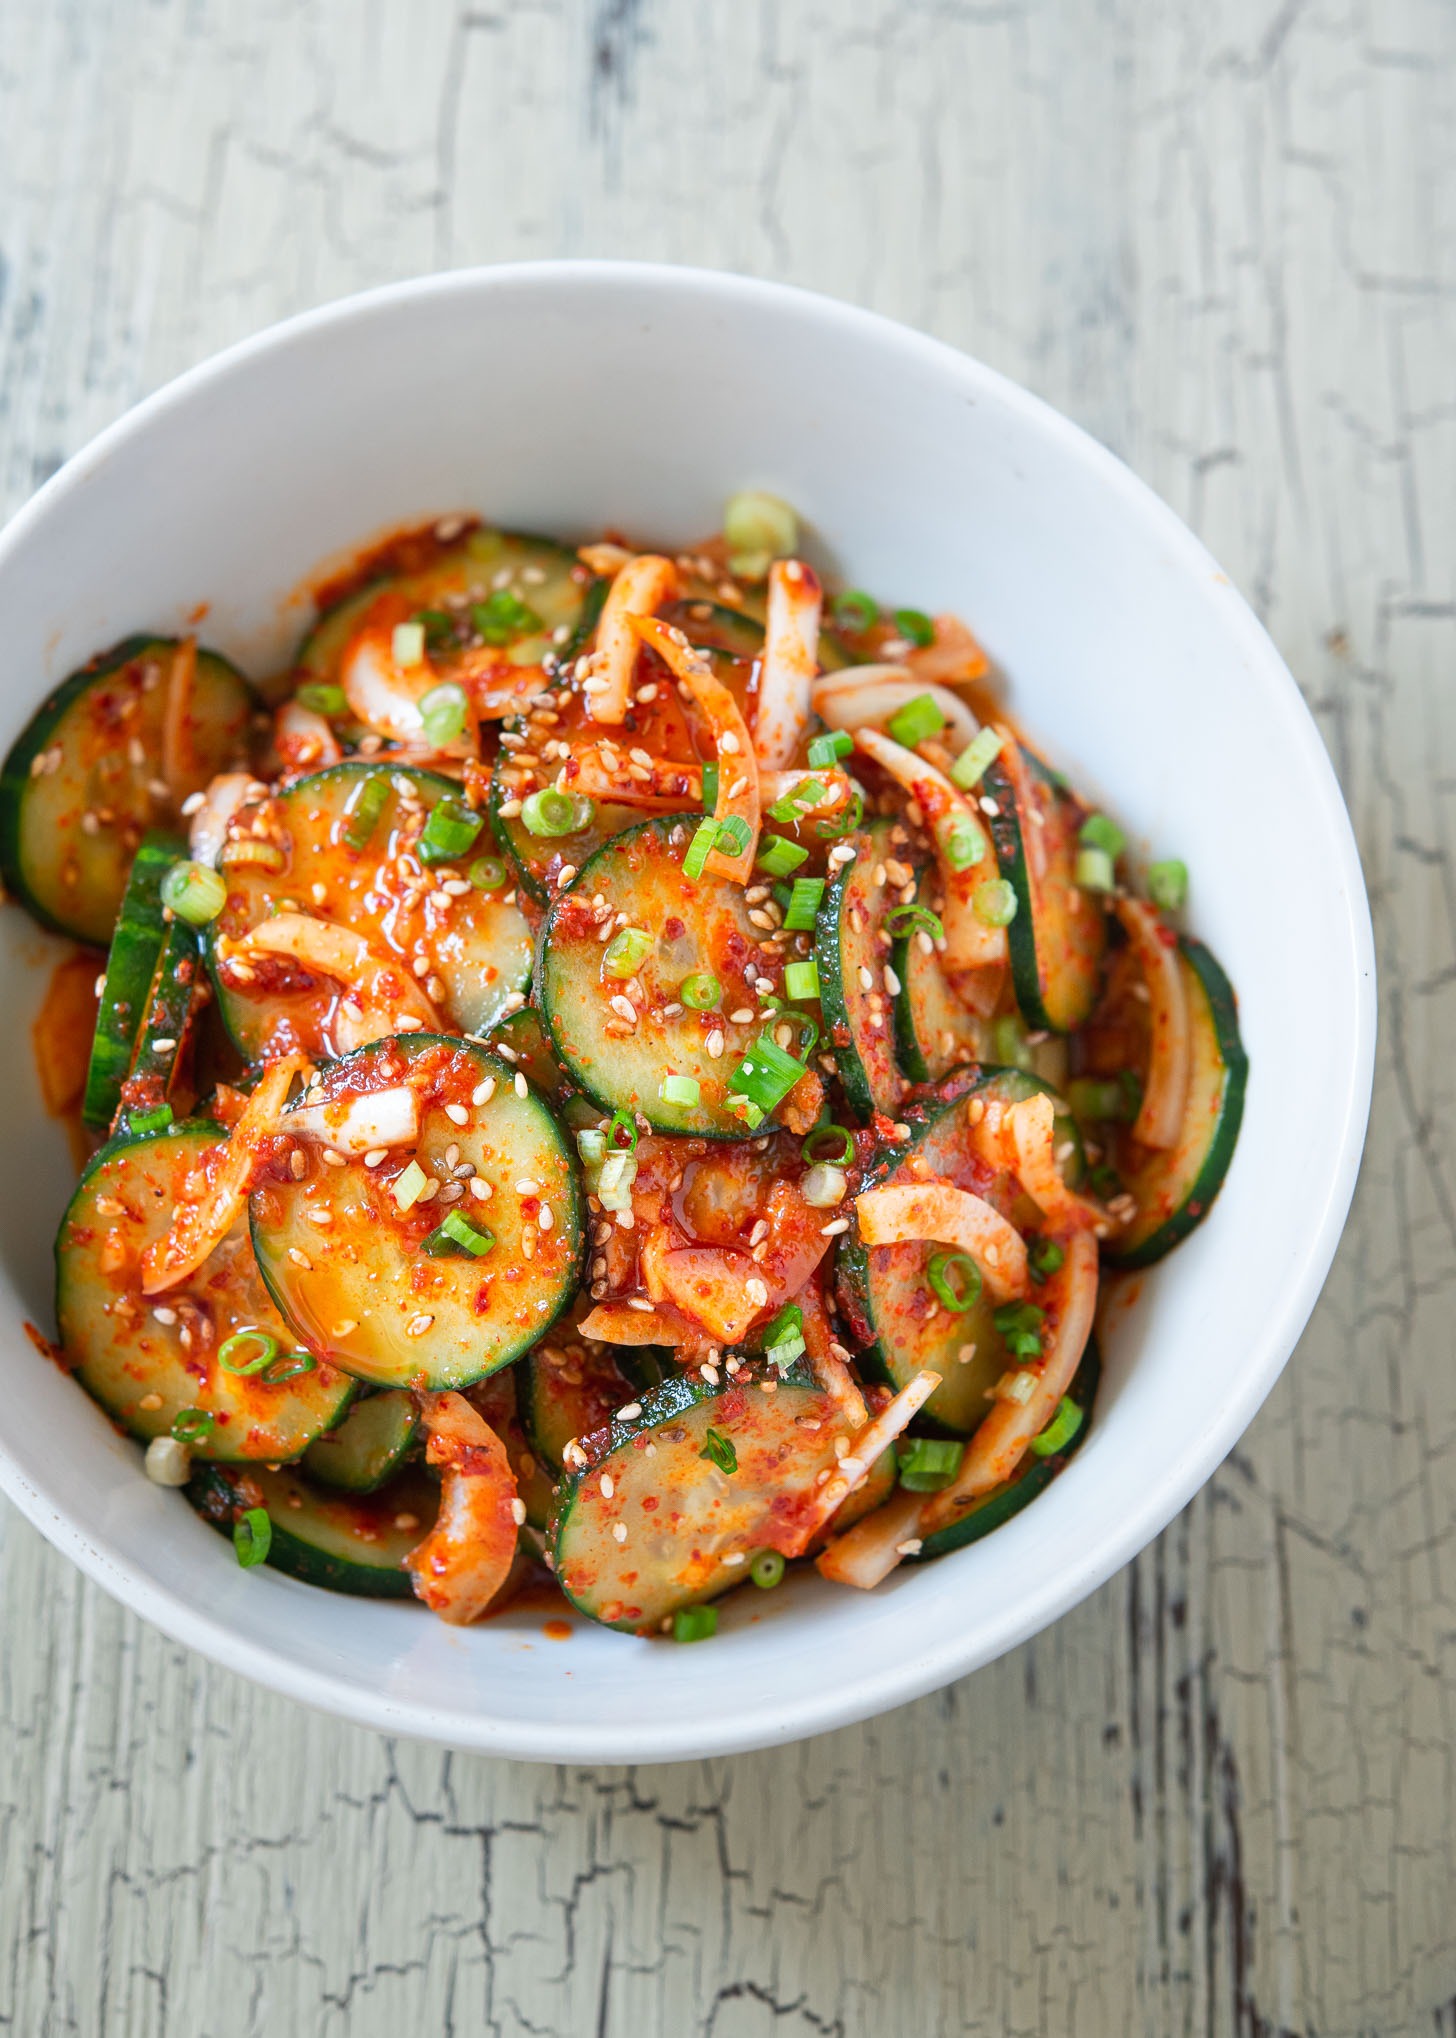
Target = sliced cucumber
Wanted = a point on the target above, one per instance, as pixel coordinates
(934, 1032)
(1059, 934)
(538, 860)
(569, 1390)
(162, 1050)
(360, 1284)
(146, 1358)
(478, 949)
(729, 636)
(131, 969)
(523, 1041)
(684, 1515)
(1174, 1191)
(852, 949)
(346, 1542)
(1033, 1476)
(369, 1445)
(899, 1324)
(698, 925)
(79, 787)
(321, 653)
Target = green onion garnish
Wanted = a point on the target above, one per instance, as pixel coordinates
(803, 905)
(438, 626)
(1098, 831)
(1060, 1430)
(625, 951)
(918, 719)
(551, 812)
(680, 1090)
(954, 1280)
(151, 1121)
(765, 1075)
(455, 1234)
(846, 821)
(756, 522)
(700, 848)
(915, 625)
(247, 1351)
(191, 1425)
(825, 751)
(322, 697)
(503, 617)
(361, 816)
(407, 645)
(994, 903)
(1094, 870)
(625, 1125)
(1019, 1325)
(720, 1451)
(288, 1367)
(962, 841)
(1044, 1258)
(797, 801)
(487, 873)
(808, 1030)
(444, 711)
(1111, 1100)
(856, 611)
(778, 856)
(409, 1185)
(694, 1623)
(1009, 1043)
(734, 835)
(449, 832)
(767, 1570)
(252, 1537)
(903, 918)
(1168, 884)
(1104, 1181)
(841, 1152)
(970, 766)
(928, 1463)
(710, 785)
(801, 979)
(701, 992)
(783, 1341)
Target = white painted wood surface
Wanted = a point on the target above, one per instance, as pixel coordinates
(1220, 1796)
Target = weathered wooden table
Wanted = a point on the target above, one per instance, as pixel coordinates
(1220, 1796)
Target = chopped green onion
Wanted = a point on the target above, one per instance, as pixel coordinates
(928, 1463)
(503, 617)
(1044, 1258)
(288, 1367)
(1060, 1430)
(449, 832)
(801, 979)
(783, 1341)
(754, 521)
(487, 873)
(438, 626)
(1098, 831)
(994, 903)
(1104, 1181)
(710, 785)
(409, 1185)
(680, 1090)
(824, 1186)
(614, 1181)
(700, 848)
(191, 1425)
(1168, 884)
(765, 1075)
(767, 1570)
(252, 1537)
(720, 1451)
(957, 1294)
(444, 711)
(918, 719)
(798, 801)
(551, 812)
(733, 836)
(623, 1123)
(915, 625)
(151, 1121)
(322, 697)
(591, 1144)
(856, 611)
(981, 751)
(843, 1148)
(778, 856)
(748, 1111)
(456, 1234)
(808, 1030)
(695, 1623)
(803, 905)
(625, 951)
(701, 992)
(407, 646)
(1112, 1100)
(361, 816)
(825, 751)
(1009, 1043)
(905, 917)
(247, 1351)
(1019, 1325)
(845, 822)
(1094, 870)
(963, 841)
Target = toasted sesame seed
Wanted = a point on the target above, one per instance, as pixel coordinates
(165, 1315)
(866, 981)
(911, 1547)
(522, 1087)
(344, 1326)
(608, 1489)
(629, 1411)
(619, 1532)
(375, 1155)
(150, 1401)
(742, 1017)
(457, 1115)
(639, 1302)
(418, 1325)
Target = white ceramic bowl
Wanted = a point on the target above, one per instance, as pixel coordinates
(576, 396)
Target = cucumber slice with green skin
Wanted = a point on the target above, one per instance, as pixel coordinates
(850, 945)
(76, 791)
(537, 860)
(683, 1515)
(1174, 1190)
(698, 925)
(345, 1542)
(567, 1392)
(478, 947)
(369, 1445)
(361, 1287)
(934, 1032)
(163, 1042)
(145, 1369)
(898, 1323)
(499, 1400)
(1059, 934)
(523, 1041)
(1033, 1476)
(729, 636)
(131, 969)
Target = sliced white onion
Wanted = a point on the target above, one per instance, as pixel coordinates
(355, 1125)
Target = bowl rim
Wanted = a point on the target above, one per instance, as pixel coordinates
(1160, 1496)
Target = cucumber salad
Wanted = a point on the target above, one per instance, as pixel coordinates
(618, 1066)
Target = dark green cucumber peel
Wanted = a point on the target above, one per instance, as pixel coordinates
(1055, 988)
(562, 1397)
(164, 1029)
(131, 969)
(343, 1542)
(368, 1447)
(840, 952)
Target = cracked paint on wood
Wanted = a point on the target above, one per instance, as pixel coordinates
(1218, 1797)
